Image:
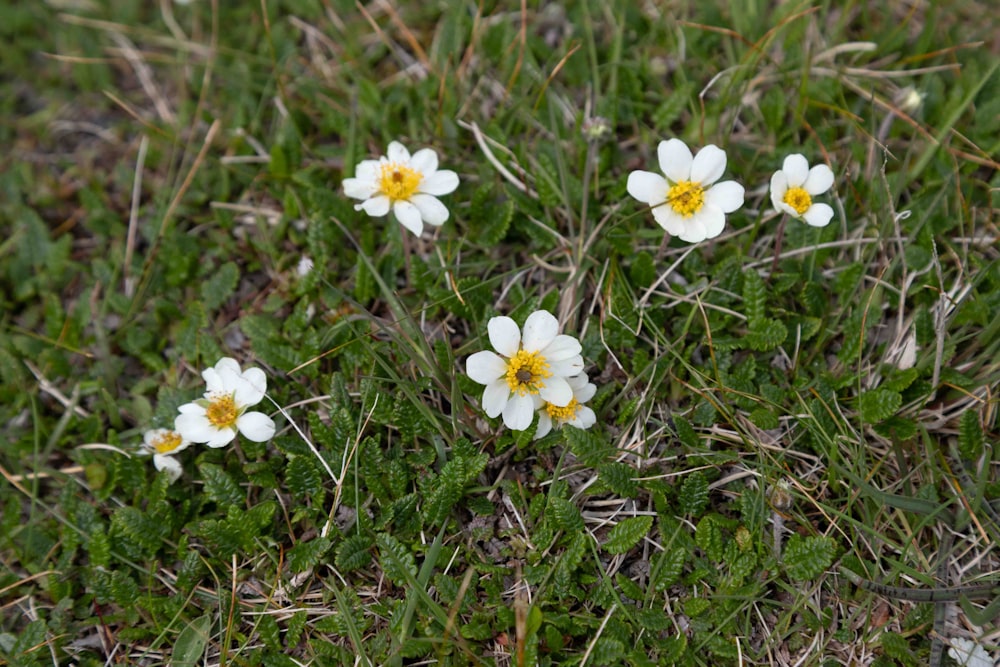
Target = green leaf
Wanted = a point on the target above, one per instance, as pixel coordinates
(565, 515)
(765, 334)
(590, 448)
(305, 555)
(672, 106)
(754, 296)
(627, 534)
(686, 432)
(806, 557)
(220, 286)
(446, 491)
(708, 536)
(395, 559)
(643, 270)
(148, 533)
(970, 436)
(191, 642)
(878, 405)
(219, 486)
(668, 568)
(619, 477)
(354, 553)
(693, 496)
(303, 477)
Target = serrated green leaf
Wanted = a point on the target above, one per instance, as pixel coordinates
(219, 486)
(627, 534)
(547, 183)
(220, 286)
(191, 642)
(305, 555)
(148, 533)
(897, 647)
(589, 447)
(446, 491)
(643, 270)
(497, 223)
(269, 632)
(970, 436)
(354, 553)
(395, 559)
(672, 106)
(708, 536)
(686, 432)
(565, 515)
(878, 405)
(668, 568)
(765, 334)
(807, 557)
(754, 297)
(693, 496)
(302, 476)
(619, 477)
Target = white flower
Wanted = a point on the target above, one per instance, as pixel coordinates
(409, 185)
(688, 203)
(538, 363)
(968, 653)
(215, 419)
(575, 413)
(163, 443)
(794, 186)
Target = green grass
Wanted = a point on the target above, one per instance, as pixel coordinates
(763, 425)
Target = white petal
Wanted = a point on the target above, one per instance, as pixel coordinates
(711, 219)
(221, 438)
(431, 209)
(584, 418)
(694, 230)
(485, 367)
(796, 169)
(556, 391)
(408, 216)
(647, 187)
(375, 207)
(779, 186)
(818, 215)
(567, 367)
(213, 381)
(151, 436)
(355, 188)
(424, 161)
(819, 181)
(195, 427)
(256, 426)
(584, 393)
(708, 165)
(397, 153)
(544, 424)
(257, 378)
(368, 170)
(540, 329)
(669, 219)
(169, 465)
(439, 183)
(495, 397)
(727, 196)
(562, 347)
(227, 364)
(505, 336)
(675, 160)
(517, 414)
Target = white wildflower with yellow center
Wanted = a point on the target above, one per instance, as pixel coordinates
(575, 413)
(536, 364)
(163, 443)
(688, 203)
(222, 413)
(407, 185)
(794, 186)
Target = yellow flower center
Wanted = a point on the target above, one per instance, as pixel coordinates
(562, 414)
(222, 411)
(167, 442)
(525, 372)
(686, 197)
(398, 182)
(798, 199)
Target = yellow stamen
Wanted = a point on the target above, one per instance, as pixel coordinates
(686, 197)
(525, 372)
(564, 414)
(798, 199)
(222, 412)
(167, 442)
(398, 182)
